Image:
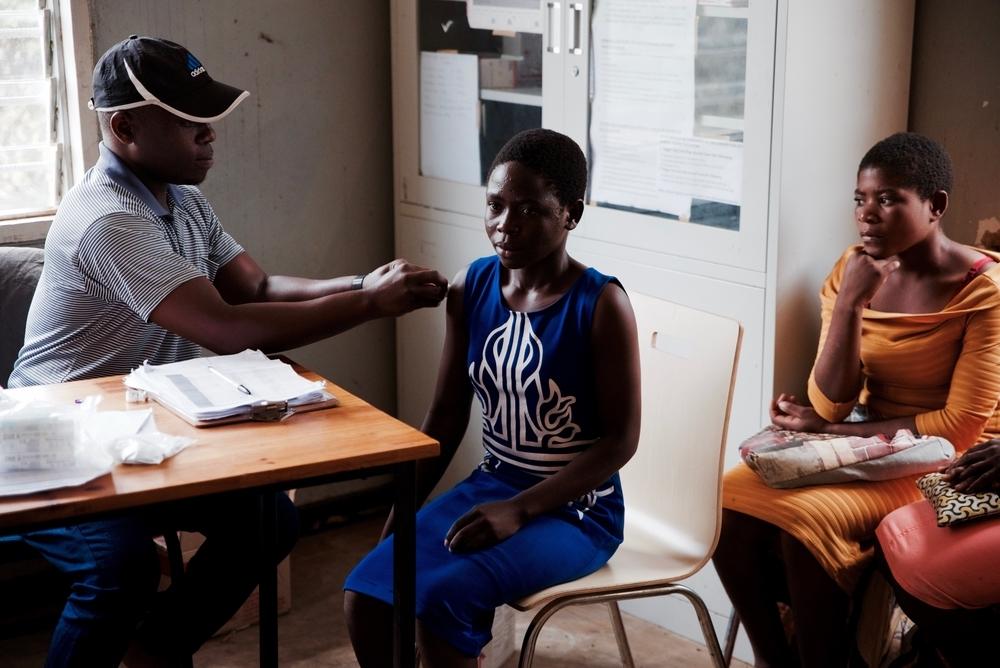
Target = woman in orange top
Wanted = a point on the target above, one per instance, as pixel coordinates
(911, 331)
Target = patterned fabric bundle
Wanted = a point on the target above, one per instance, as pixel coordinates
(953, 507)
(785, 459)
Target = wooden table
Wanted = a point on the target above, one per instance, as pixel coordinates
(309, 448)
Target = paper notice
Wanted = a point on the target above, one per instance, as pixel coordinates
(449, 116)
(707, 169)
(644, 83)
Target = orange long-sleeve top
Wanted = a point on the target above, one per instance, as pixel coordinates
(942, 367)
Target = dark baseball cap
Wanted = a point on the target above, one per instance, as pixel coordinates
(141, 71)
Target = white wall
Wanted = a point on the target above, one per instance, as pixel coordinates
(828, 112)
(303, 174)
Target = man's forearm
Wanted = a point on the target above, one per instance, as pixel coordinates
(296, 289)
(269, 326)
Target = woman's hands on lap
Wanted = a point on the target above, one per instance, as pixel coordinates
(788, 413)
(485, 526)
(978, 470)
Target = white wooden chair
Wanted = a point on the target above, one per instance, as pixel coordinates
(673, 484)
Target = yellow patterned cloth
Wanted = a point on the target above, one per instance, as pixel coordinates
(942, 367)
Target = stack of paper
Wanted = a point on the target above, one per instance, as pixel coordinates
(214, 388)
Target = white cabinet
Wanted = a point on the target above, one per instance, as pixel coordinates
(723, 138)
(714, 62)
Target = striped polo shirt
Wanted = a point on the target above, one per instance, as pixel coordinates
(112, 255)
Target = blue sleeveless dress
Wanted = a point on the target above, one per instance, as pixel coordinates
(532, 375)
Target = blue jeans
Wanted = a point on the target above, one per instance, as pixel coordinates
(114, 571)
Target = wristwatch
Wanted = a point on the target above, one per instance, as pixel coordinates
(358, 282)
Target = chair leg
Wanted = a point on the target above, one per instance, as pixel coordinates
(623, 648)
(535, 629)
(731, 631)
(705, 619)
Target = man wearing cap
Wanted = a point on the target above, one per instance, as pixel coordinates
(138, 267)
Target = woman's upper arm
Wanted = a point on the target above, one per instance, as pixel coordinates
(975, 384)
(452, 393)
(615, 353)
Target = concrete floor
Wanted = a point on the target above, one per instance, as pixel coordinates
(313, 632)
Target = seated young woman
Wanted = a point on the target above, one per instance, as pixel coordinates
(549, 348)
(911, 331)
(945, 578)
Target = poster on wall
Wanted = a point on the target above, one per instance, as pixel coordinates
(706, 169)
(449, 116)
(643, 89)
(644, 151)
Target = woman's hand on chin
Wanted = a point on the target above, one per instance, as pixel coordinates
(788, 413)
(863, 276)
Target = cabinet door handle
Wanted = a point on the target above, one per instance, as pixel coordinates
(553, 9)
(575, 26)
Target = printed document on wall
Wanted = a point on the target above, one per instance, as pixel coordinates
(449, 116)
(708, 169)
(643, 93)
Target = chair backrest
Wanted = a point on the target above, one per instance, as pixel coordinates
(19, 272)
(673, 484)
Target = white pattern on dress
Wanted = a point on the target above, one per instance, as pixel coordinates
(520, 408)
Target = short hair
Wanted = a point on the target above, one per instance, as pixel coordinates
(916, 161)
(554, 156)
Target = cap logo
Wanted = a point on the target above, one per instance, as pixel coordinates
(194, 67)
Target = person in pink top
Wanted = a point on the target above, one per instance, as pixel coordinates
(946, 578)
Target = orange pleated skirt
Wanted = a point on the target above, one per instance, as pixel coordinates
(836, 523)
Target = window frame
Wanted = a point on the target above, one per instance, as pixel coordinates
(72, 61)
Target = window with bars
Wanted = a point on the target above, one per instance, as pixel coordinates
(33, 164)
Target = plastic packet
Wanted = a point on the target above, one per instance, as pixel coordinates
(41, 436)
(131, 437)
(147, 448)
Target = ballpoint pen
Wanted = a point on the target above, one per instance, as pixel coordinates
(239, 386)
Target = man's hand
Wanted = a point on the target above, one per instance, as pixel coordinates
(400, 287)
(484, 526)
(863, 276)
(978, 470)
(788, 413)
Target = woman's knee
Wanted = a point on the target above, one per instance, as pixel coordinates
(798, 559)
(364, 613)
(737, 526)
(743, 539)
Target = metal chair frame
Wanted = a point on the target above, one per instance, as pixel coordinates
(612, 598)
